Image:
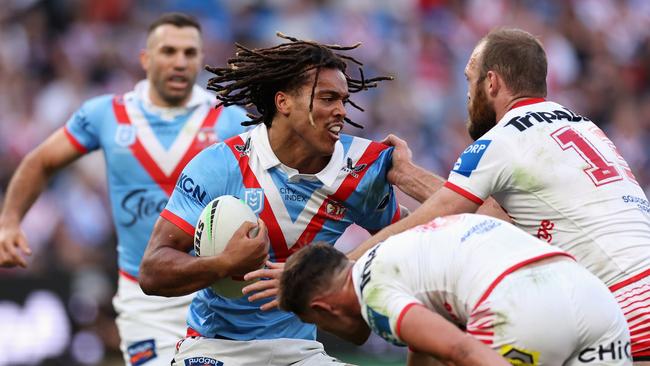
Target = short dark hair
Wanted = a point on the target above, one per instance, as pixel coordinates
(518, 57)
(307, 272)
(254, 76)
(179, 20)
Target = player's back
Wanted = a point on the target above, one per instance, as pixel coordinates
(448, 264)
(567, 184)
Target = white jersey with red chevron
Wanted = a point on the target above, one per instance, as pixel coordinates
(527, 300)
(297, 208)
(562, 180)
(449, 265)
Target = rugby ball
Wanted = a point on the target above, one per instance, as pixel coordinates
(216, 225)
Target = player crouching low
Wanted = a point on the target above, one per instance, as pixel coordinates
(442, 287)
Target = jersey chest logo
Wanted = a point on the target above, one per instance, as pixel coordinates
(254, 198)
(163, 165)
(125, 135)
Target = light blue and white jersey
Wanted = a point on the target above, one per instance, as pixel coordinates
(146, 148)
(298, 209)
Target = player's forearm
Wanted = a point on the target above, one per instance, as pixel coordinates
(417, 217)
(471, 352)
(418, 183)
(170, 272)
(25, 186)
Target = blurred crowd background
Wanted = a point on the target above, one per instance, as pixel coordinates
(54, 54)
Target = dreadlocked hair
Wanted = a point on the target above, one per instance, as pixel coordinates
(254, 76)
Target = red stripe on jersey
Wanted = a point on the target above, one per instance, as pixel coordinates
(464, 193)
(630, 280)
(514, 268)
(528, 101)
(398, 324)
(192, 333)
(165, 182)
(128, 276)
(176, 220)
(77, 145)
(278, 242)
(341, 195)
(195, 148)
(623, 297)
(397, 216)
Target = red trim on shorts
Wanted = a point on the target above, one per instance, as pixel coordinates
(528, 101)
(398, 324)
(514, 268)
(463, 192)
(77, 145)
(127, 275)
(182, 224)
(192, 333)
(630, 280)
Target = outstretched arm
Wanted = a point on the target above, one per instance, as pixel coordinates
(443, 202)
(24, 188)
(167, 268)
(429, 333)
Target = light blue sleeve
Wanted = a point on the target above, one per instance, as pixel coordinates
(380, 204)
(203, 179)
(229, 122)
(85, 124)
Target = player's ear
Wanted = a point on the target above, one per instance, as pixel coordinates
(144, 59)
(494, 83)
(283, 103)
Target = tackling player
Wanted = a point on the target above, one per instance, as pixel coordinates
(147, 136)
(304, 178)
(554, 172)
(444, 287)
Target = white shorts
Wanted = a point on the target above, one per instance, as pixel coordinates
(149, 326)
(550, 314)
(199, 351)
(633, 295)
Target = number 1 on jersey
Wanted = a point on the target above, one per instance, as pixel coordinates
(600, 171)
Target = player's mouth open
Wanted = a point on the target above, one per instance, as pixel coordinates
(334, 131)
(180, 82)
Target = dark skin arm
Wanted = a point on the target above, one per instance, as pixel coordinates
(167, 268)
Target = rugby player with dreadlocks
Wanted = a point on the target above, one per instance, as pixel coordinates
(305, 180)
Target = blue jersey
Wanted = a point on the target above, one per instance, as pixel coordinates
(298, 209)
(146, 148)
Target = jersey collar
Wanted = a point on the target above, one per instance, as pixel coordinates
(527, 101)
(268, 159)
(198, 97)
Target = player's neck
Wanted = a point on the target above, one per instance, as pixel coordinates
(295, 153)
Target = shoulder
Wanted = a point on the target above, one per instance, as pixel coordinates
(359, 148)
(99, 103)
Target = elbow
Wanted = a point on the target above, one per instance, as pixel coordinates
(147, 281)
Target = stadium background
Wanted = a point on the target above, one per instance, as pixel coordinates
(56, 53)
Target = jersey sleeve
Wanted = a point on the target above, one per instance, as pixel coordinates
(83, 128)
(229, 122)
(379, 207)
(203, 179)
(384, 306)
(484, 168)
